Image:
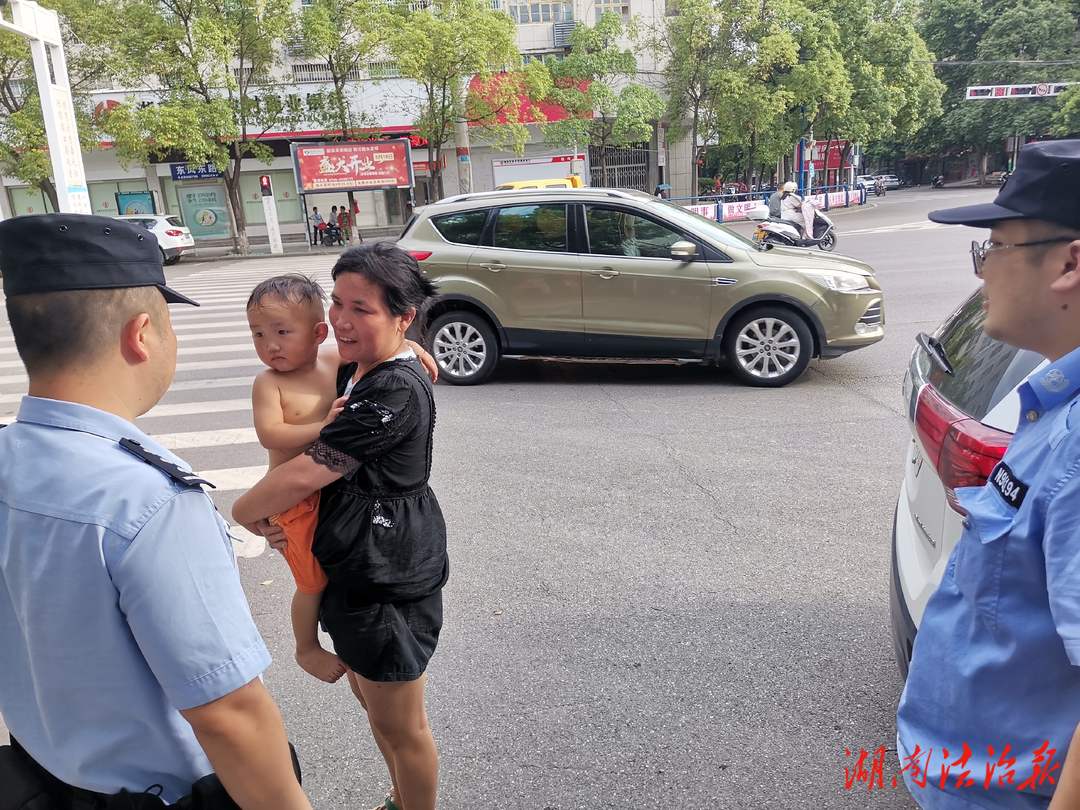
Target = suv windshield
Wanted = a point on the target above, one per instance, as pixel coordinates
(703, 225)
(985, 370)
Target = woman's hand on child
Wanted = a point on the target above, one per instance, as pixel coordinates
(426, 360)
(335, 409)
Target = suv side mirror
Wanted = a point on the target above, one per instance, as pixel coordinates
(683, 250)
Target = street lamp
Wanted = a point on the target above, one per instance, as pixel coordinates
(42, 27)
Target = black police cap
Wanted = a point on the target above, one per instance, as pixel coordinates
(55, 252)
(1042, 186)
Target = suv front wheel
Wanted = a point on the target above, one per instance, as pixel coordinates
(768, 346)
(465, 347)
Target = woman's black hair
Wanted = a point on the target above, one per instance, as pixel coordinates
(394, 270)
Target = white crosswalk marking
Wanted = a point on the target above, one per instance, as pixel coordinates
(207, 419)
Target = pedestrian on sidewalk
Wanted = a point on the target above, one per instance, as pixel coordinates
(380, 536)
(113, 561)
(995, 670)
(317, 224)
(345, 223)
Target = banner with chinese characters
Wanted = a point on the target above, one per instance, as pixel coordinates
(353, 166)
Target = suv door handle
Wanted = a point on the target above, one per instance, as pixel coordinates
(494, 267)
(605, 272)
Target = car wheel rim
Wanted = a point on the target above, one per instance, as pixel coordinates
(460, 349)
(767, 348)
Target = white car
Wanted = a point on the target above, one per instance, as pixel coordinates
(892, 182)
(866, 181)
(174, 238)
(962, 407)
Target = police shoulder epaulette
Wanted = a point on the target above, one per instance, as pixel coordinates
(175, 472)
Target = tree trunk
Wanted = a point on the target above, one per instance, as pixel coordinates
(982, 168)
(435, 168)
(236, 206)
(603, 166)
(48, 187)
(694, 172)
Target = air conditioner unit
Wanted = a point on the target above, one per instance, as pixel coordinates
(563, 30)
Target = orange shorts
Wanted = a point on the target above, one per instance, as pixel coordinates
(299, 525)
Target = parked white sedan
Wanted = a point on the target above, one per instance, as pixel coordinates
(174, 238)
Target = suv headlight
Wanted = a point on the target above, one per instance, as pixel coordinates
(837, 280)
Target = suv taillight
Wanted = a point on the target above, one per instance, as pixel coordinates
(962, 450)
(174, 233)
(420, 255)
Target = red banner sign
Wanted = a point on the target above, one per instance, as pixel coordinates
(353, 166)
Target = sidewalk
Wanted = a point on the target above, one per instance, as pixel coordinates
(261, 250)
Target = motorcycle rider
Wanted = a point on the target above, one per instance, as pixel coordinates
(794, 208)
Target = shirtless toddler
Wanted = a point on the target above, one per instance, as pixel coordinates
(292, 400)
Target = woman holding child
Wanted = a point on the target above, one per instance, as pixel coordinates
(380, 535)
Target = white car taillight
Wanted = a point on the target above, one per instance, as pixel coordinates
(963, 451)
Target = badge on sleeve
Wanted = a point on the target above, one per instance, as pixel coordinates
(1011, 488)
(175, 472)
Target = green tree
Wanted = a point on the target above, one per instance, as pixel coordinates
(215, 63)
(445, 45)
(999, 36)
(585, 85)
(88, 28)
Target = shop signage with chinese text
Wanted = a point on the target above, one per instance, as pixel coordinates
(353, 166)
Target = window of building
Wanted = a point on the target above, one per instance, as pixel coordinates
(319, 72)
(620, 7)
(523, 13)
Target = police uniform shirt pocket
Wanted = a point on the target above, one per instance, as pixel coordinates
(980, 554)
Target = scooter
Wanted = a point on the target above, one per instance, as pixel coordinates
(879, 188)
(937, 181)
(788, 234)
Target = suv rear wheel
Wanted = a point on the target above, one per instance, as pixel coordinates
(768, 346)
(465, 347)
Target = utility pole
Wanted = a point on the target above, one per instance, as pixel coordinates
(41, 27)
(461, 141)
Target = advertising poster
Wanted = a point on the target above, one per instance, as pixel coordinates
(204, 211)
(353, 166)
(134, 202)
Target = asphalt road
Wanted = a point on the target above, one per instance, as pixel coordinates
(667, 590)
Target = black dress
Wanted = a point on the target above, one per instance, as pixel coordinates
(381, 538)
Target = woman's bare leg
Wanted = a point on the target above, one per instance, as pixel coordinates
(379, 741)
(399, 723)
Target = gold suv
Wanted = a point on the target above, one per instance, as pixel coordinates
(620, 275)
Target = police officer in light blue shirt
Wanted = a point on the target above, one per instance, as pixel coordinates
(128, 656)
(991, 707)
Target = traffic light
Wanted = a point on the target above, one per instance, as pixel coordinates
(264, 185)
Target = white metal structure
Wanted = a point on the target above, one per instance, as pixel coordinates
(42, 27)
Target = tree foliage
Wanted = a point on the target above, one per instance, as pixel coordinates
(211, 65)
(448, 44)
(88, 28)
(593, 84)
(999, 31)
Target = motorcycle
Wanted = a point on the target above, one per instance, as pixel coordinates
(785, 233)
(879, 188)
(937, 181)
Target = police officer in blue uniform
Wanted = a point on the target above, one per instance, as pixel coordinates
(129, 660)
(992, 701)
